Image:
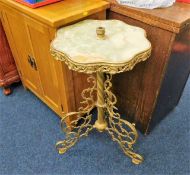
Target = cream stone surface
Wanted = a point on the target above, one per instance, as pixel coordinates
(80, 43)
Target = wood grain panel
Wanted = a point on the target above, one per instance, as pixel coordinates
(137, 90)
(61, 13)
(174, 18)
(175, 78)
(15, 22)
(38, 36)
(8, 71)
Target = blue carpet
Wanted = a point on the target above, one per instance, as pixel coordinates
(29, 131)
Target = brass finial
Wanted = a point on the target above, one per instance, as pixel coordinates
(100, 31)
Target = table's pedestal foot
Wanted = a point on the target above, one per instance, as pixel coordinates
(75, 130)
(100, 126)
(124, 133)
(120, 130)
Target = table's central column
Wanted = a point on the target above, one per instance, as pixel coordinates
(100, 123)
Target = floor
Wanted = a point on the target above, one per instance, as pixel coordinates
(29, 131)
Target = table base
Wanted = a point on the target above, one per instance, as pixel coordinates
(121, 131)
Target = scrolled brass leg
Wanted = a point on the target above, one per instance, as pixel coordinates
(74, 131)
(120, 130)
(81, 126)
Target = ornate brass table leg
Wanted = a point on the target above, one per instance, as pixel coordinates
(75, 131)
(120, 130)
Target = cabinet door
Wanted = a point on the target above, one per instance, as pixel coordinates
(15, 29)
(39, 38)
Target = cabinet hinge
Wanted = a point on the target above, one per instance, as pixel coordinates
(61, 107)
(20, 73)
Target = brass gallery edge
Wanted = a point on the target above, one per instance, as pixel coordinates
(100, 67)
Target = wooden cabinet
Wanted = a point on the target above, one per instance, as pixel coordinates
(30, 32)
(153, 88)
(8, 71)
(15, 23)
(39, 40)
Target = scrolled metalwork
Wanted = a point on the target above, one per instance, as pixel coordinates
(81, 125)
(121, 131)
(100, 67)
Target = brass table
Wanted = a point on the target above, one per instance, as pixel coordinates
(104, 47)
